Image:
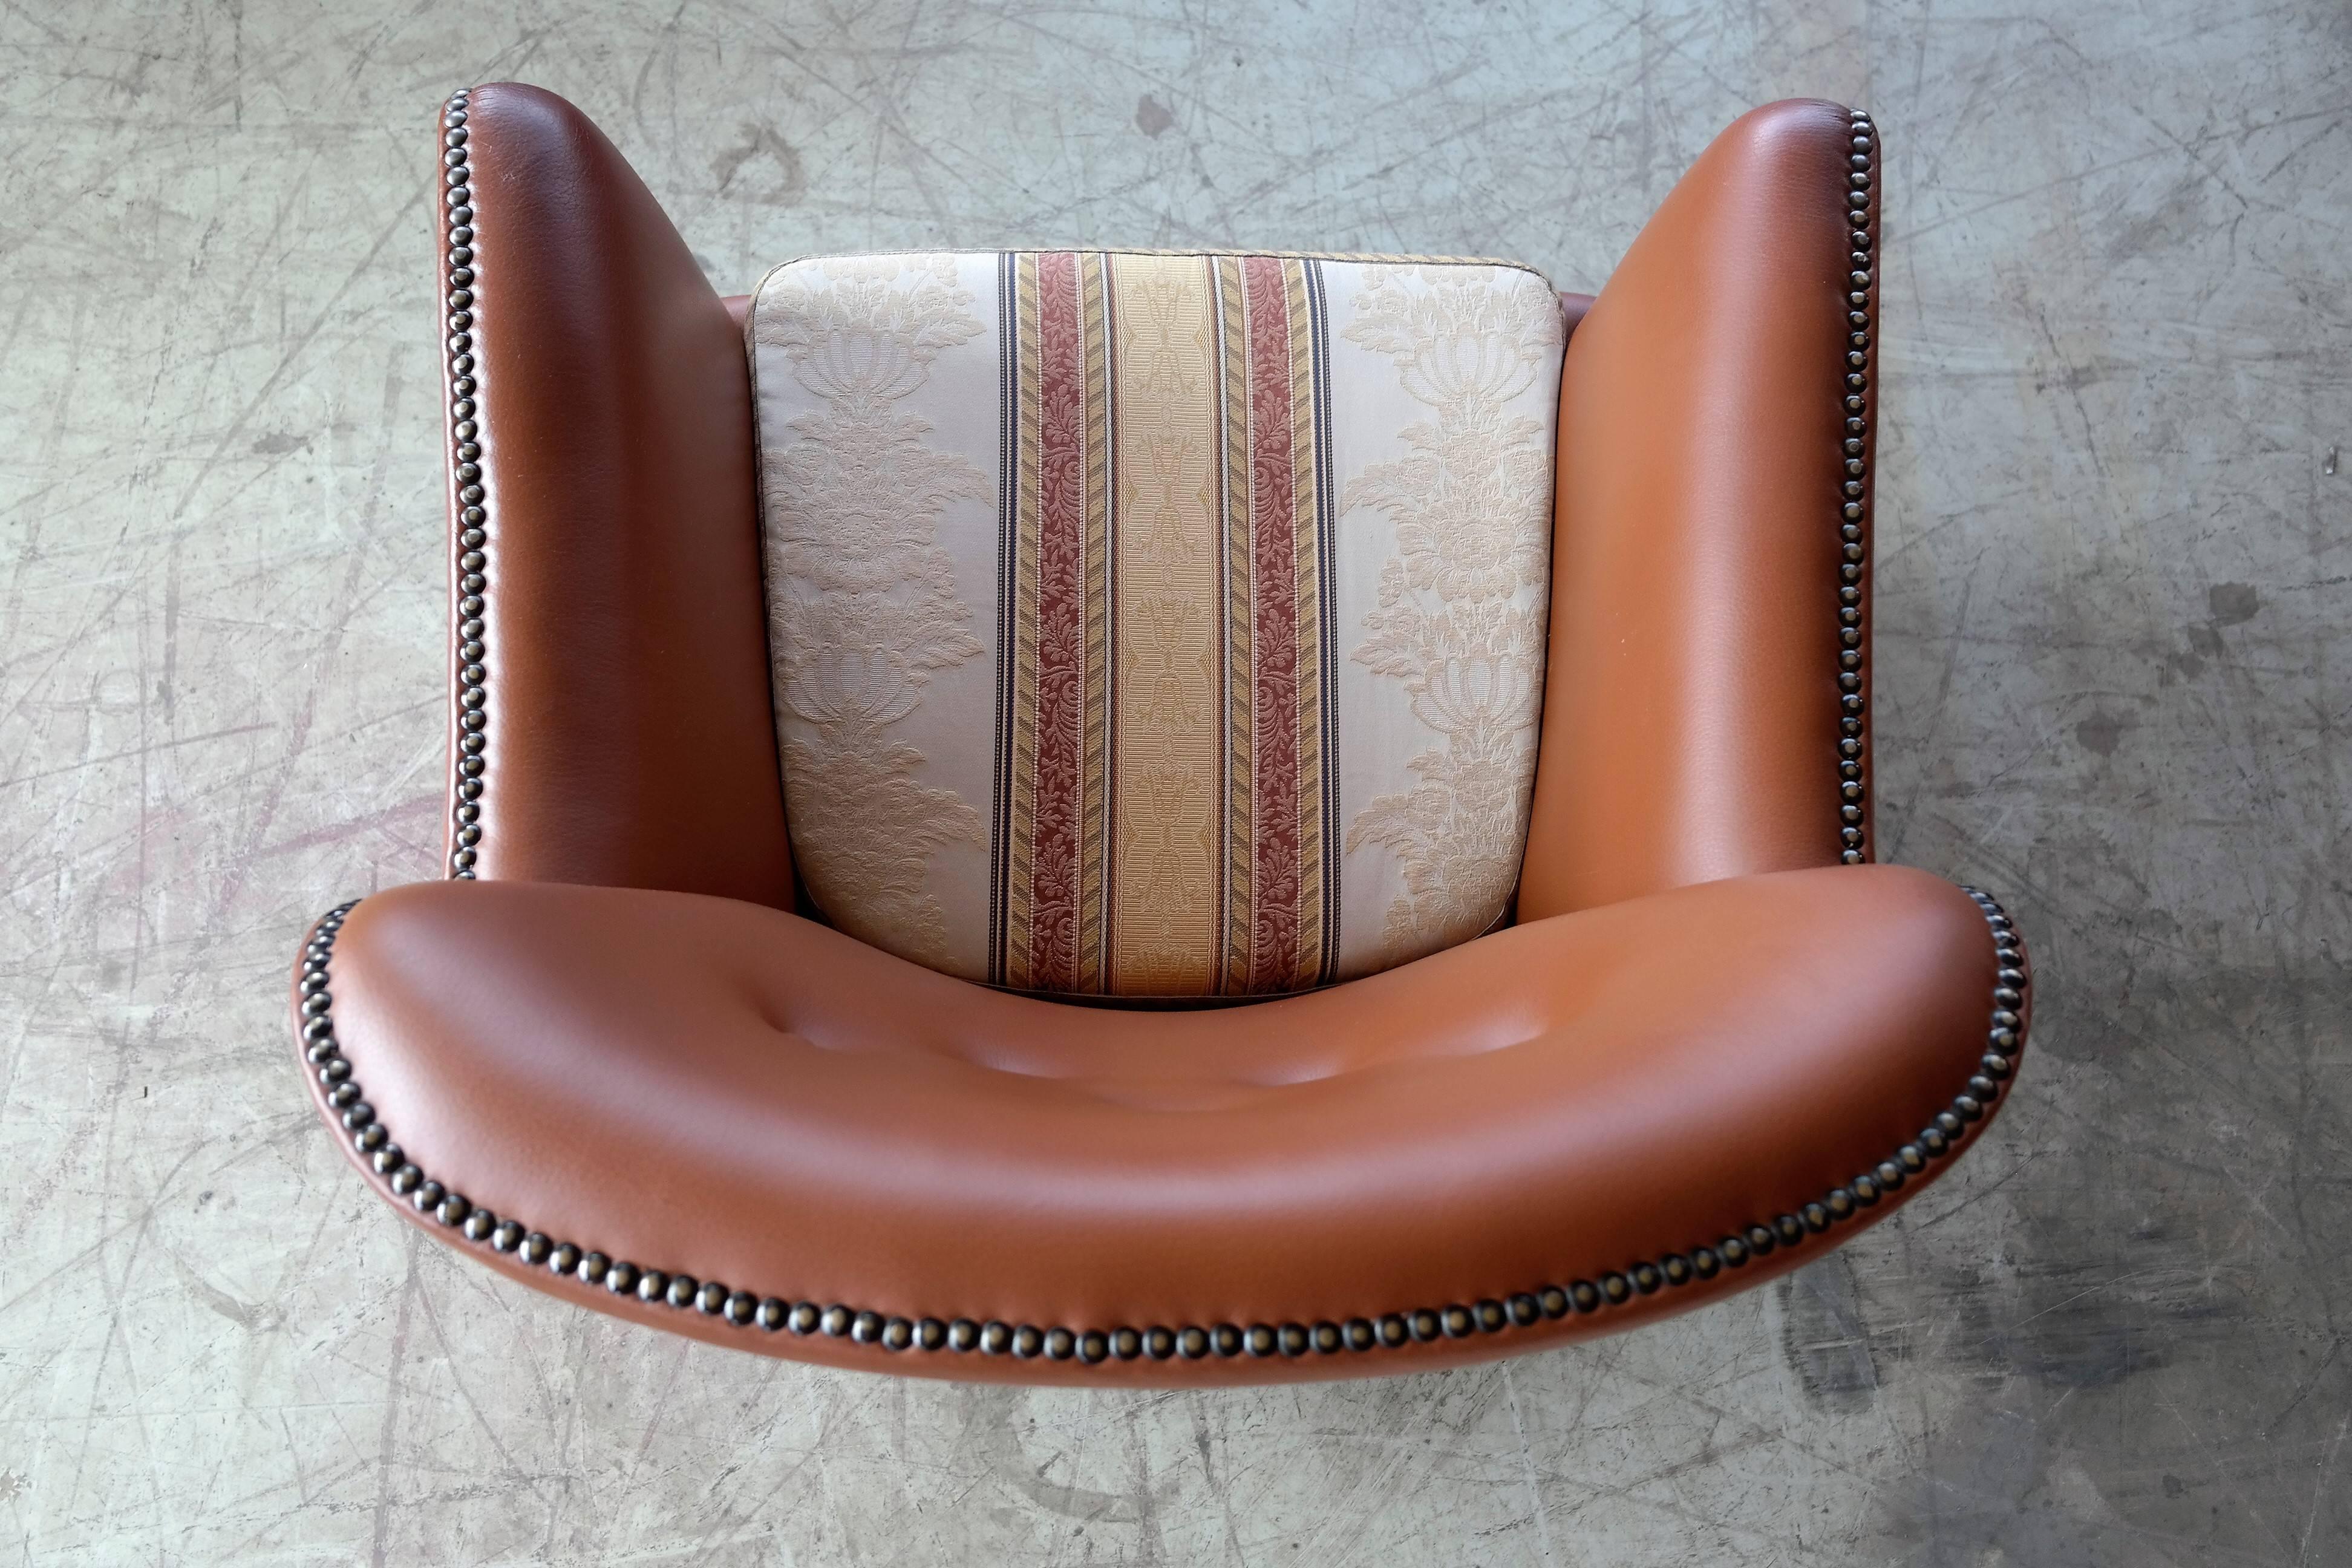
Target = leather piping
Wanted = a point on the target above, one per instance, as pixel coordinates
(468, 514)
(1854, 836)
(1094, 1346)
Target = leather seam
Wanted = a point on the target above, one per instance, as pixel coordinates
(1854, 457)
(470, 514)
(1942, 1139)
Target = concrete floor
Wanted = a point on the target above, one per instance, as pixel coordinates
(2114, 681)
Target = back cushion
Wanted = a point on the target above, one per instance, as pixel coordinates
(1152, 624)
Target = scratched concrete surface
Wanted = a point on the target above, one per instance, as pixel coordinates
(2114, 682)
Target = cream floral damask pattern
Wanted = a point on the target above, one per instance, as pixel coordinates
(1461, 616)
(1155, 625)
(862, 601)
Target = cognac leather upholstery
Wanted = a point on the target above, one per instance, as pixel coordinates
(1705, 439)
(625, 646)
(608, 1060)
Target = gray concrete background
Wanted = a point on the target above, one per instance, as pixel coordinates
(2112, 686)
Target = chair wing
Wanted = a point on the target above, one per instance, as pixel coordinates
(1706, 710)
(609, 673)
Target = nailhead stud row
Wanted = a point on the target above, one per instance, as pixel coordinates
(1853, 716)
(473, 516)
(1190, 1341)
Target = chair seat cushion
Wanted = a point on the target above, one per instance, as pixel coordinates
(1156, 625)
(1576, 1122)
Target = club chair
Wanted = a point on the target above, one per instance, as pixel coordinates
(1128, 818)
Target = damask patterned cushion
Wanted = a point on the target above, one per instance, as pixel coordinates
(1157, 625)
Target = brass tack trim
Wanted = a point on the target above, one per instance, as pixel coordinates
(470, 573)
(1854, 499)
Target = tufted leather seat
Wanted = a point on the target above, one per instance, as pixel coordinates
(618, 1054)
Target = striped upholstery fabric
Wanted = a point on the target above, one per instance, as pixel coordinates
(1152, 624)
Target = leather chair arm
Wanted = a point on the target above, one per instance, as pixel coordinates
(1690, 1092)
(1692, 708)
(626, 736)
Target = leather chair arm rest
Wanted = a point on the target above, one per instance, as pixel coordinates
(1694, 708)
(1580, 1124)
(620, 679)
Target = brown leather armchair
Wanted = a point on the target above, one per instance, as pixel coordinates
(626, 1055)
